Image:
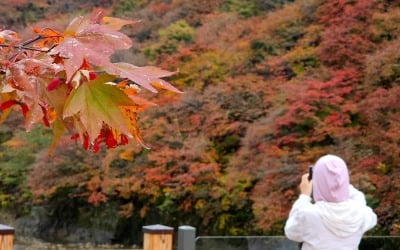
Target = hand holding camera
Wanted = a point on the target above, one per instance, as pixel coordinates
(306, 183)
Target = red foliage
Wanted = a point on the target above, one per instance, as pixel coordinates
(320, 110)
(345, 41)
(379, 110)
(338, 12)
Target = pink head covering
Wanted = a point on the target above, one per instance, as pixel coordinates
(330, 179)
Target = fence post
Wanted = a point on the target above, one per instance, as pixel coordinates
(186, 238)
(157, 237)
(6, 237)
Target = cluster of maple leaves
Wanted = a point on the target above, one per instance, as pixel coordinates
(66, 80)
(307, 79)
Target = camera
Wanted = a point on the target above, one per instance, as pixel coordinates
(310, 172)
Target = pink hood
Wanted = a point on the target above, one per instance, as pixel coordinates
(330, 179)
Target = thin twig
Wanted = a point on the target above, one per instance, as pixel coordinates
(14, 56)
(19, 47)
(22, 47)
(31, 40)
(55, 45)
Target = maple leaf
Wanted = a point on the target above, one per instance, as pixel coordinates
(56, 98)
(90, 41)
(50, 37)
(27, 78)
(96, 103)
(131, 122)
(9, 36)
(4, 98)
(147, 76)
(132, 92)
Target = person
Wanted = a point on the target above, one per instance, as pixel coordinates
(338, 218)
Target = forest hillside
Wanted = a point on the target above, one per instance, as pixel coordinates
(269, 86)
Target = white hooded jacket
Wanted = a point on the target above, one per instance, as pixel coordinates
(330, 226)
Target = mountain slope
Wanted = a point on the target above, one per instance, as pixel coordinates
(269, 87)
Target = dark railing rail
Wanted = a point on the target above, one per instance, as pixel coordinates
(282, 243)
(187, 240)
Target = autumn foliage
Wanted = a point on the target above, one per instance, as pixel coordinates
(268, 88)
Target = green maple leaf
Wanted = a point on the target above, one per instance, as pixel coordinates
(96, 102)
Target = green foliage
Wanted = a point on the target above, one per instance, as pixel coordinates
(225, 146)
(30, 13)
(18, 154)
(300, 59)
(304, 126)
(176, 35)
(122, 7)
(261, 49)
(179, 31)
(373, 202)
(207, 68)
(384, 168)
(5, 136)
(290, 34)
(248, 8)
(243, 8)
(38, 137)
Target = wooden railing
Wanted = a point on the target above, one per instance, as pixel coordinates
(6, 237)
(159, 237)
